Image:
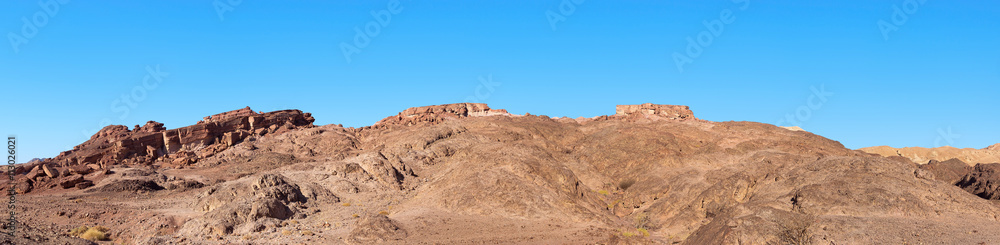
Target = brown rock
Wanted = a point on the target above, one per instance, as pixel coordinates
(70, 181)
(117, 144)
(921, 155)
(438, 113)
(950, 171)
(374, 229)
(667, 111)
(84, 184)
(983, 181)
(79, 169)
(25, 186)
(50, 171)
(35, 172)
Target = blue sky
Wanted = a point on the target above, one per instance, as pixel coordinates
(929, 75)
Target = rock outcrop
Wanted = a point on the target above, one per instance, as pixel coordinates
(650, 109)
(116, 144)
(438, 113)
(152, 143)
(983, 181)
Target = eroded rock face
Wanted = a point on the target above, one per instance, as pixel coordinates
(437, 113)
(950, 171)
(117, 144)
(983, 181)
(152, 143)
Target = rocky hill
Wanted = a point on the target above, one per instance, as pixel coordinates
(469, 174)
(921, 155)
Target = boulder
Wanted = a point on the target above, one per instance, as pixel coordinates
(84, 184)
(79, 169)
(70, 181)
(116, 144)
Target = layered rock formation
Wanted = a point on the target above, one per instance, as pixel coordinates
(438, 113)
(650, 109)
(921, 155)
(152, 142)
(950, 171)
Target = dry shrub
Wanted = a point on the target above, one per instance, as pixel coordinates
(625, 184)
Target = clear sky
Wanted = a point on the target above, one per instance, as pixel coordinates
(898, 73)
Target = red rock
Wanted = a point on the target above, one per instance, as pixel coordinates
(50, 171)
(24, 186)
(437, 113)
(145, 144)
(667, 111)
(983, 181)
(84, 184)
(79, 169)
(70, 181)
(35, 172)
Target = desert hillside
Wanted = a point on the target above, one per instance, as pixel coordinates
(469, 174)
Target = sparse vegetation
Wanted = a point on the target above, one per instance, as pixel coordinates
(645, 233)
(628, 234)
(383, 212)
(355, 215)
(603, 192)
(286, 232)
(795, 232)
(307, 233)
(346, 204)
(96, 233)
